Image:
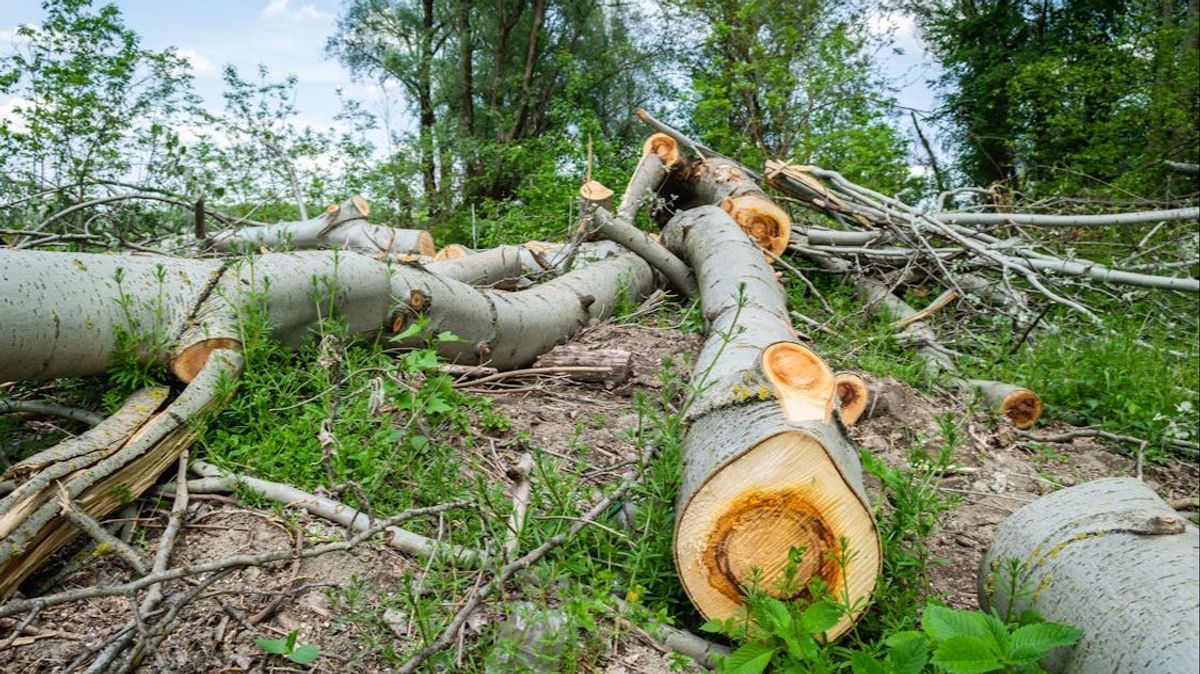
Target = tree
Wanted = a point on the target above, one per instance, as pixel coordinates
(497, 90)
(93, 103)
(1040, 92)
(779, 79)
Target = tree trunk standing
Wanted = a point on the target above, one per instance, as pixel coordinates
(467, 104)
(1112, 559)
(425, 105)
(766, 466)
(531, 54)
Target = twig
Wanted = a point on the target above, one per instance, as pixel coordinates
(450, 632)
(39, 407)
(218, 479)
(233, 562)
(941, 301)
(532, 371)
(520, 497)
(92, 528)
(803, 279)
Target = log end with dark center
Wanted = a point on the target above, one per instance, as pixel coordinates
(852, 397)
(1023, 407)
(764, 222)
(739, 529)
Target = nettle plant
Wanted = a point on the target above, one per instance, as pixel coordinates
(788, 637)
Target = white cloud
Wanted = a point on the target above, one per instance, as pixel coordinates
(200, 63)
(9, 36)
(283, 9)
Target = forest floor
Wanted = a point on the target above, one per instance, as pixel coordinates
(349, 605)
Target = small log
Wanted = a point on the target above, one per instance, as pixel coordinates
(339, 227)
(1111, 558)
(619, 362)
(660, 153)
(766, 467)
(853, 396)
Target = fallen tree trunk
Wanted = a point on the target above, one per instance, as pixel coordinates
(767, 469)
(1108, 557)
(67, 314)
(339, 227)
(722, 182)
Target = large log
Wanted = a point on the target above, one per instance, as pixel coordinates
(339, 227)
(767, 468)
(1113, 559)
(60, 313)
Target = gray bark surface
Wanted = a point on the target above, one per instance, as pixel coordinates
(642, 188)
(345, 228)
(620, 230)
(1045, 220)
(1113, 559)
(60, 312)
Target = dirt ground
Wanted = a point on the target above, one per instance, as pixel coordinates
(997, 473)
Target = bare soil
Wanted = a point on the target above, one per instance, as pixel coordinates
(590, 427)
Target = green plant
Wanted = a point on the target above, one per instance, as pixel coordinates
(970, 642)
(301, 654)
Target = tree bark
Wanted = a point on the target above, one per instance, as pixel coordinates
(343, 227)
(721, 182)
(766, 466)
(601, 223)
(618, 361)
(1113, 559)
(62, 311)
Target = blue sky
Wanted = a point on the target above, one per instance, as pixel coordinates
(288, 36)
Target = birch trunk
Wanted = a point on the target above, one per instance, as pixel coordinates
(767, 468)
(1111, 558)
(342, 227)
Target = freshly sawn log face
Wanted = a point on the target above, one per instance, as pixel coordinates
(723, 183)
(1112, 559)
(766, 467)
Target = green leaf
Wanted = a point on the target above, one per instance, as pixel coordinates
(966, 655)
(999, 632)
(774, 616)
(820, 617)
(291, 640)
(1030, 617)
(409, 332)
(908, 652)
(862, 662)
(801, 647)
(713, 627)
(751, 658)
(1031, 642)
(276, 646)
(942, 623)
(304, 654)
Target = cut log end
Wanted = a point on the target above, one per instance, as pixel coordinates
(425, 244)
(193, 359)
(739, 529)
(664, 146)
(804, 384)
(452, 252)
(852, 396)
(764, 222)
(1023, 407)
(595, 192)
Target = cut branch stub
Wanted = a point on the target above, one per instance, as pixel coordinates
(452, 252)
(597, 194)
(664, 147)
(1022, 406)
(1108, 557)
(853, 394)
(766, 468)
(721, 182)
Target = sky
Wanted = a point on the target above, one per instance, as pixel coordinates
(289, 36)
